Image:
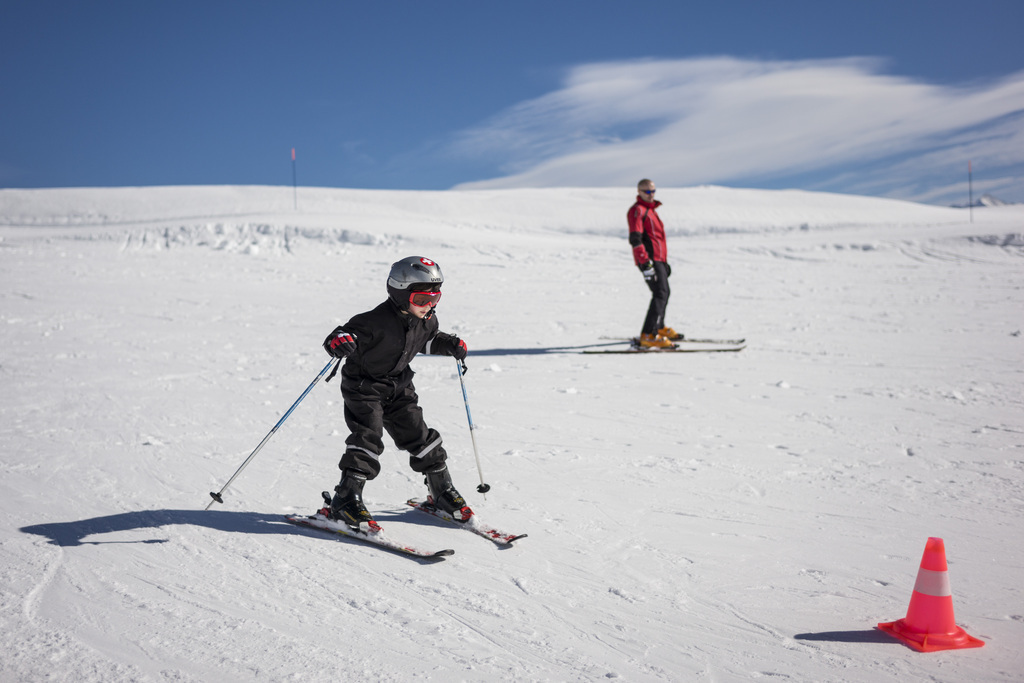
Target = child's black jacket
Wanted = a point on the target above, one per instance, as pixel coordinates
(387, 340)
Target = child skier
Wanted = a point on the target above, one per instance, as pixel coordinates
(378, 392)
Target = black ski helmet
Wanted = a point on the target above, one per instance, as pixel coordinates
(413, 274)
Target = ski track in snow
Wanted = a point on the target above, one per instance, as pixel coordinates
(720, 517)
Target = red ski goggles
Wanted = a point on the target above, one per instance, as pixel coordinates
(424, 298)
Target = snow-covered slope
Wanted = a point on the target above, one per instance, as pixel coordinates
(720, 517)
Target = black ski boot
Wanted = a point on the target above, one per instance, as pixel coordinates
(443, 496)
(347, 504)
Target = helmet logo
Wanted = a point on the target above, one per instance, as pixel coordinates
(426, 261)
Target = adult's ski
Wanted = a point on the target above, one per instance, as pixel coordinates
(670, 349)
(686, 340)
(473, 524)
(320, 521)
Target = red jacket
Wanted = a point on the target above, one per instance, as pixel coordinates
(646, 232)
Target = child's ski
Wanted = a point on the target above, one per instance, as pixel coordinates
(320, 521)
(473, 524)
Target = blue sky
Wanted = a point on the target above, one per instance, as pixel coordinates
(886, 98)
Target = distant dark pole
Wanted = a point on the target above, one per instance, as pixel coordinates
(295, 184)
(970, 190)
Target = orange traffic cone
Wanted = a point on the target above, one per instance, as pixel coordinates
(929, 624)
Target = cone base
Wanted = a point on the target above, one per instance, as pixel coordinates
(930, 642)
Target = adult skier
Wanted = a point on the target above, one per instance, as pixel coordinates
(378, 392)
(650, 254)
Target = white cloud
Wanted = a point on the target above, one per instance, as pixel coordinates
(725, 120)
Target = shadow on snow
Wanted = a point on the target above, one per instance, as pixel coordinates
(866, 636)
(68, 534)
(538, 351)
(72, 533)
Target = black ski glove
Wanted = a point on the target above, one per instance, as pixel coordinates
(340, 343)
(459, 350)
(647, 269)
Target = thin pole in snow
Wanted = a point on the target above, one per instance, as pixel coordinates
(295, 184)
(970, 190)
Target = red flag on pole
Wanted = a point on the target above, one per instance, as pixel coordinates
(970, 190)
(295, 183)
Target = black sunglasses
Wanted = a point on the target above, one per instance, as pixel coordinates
(648, 191)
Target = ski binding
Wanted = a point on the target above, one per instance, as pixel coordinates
(473, 524)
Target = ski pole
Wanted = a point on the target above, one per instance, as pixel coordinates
(482, 488)
(217, 497)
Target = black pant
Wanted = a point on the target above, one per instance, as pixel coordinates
(369, 414)
(655, 319)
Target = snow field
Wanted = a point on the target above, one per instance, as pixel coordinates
(720, 517)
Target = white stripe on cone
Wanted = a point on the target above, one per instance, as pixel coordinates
(935, 584)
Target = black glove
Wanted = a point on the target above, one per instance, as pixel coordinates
(668, 270)
(340, 343)
(647, 270)
(459, 349)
